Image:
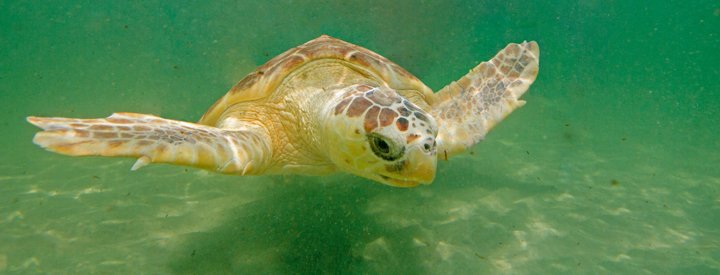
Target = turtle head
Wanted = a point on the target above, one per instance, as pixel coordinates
(375, 133)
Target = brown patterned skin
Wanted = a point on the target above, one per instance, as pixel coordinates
(154, 139)
(324, 106)
(469, 108)
(376, 133)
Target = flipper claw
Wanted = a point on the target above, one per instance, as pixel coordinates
(141, 162)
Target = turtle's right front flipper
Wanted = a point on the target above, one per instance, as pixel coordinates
(154, 139)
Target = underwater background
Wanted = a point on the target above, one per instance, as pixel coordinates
(611, 167)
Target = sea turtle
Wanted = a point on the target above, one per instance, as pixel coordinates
(324, 106)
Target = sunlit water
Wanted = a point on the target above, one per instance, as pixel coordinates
(611, 167)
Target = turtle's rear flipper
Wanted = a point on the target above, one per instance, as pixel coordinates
(154, 139)
(468, 108)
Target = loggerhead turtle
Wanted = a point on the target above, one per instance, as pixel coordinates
(324, 106)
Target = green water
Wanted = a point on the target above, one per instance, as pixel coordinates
(611, 167)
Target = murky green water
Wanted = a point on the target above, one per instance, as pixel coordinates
(611, 167)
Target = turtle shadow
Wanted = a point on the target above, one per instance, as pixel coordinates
(323, 226)
(302, 227)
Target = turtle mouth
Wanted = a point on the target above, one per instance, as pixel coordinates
(400, 183)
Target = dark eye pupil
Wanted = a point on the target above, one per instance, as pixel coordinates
(383, 146)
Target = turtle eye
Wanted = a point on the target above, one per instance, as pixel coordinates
(384, 147)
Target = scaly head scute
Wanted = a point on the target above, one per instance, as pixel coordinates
(378, 134)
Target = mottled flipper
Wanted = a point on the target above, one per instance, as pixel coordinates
(153, 139)
(468, 108)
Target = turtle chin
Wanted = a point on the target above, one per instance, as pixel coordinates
(399, 182)
(422, 171)
(418, 168)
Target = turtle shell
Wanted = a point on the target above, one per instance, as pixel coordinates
(262, 82)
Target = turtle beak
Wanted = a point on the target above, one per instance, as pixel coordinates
(421, 167)
(418, 169)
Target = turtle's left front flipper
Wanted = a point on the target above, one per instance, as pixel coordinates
(154, 139)
(468, 108)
